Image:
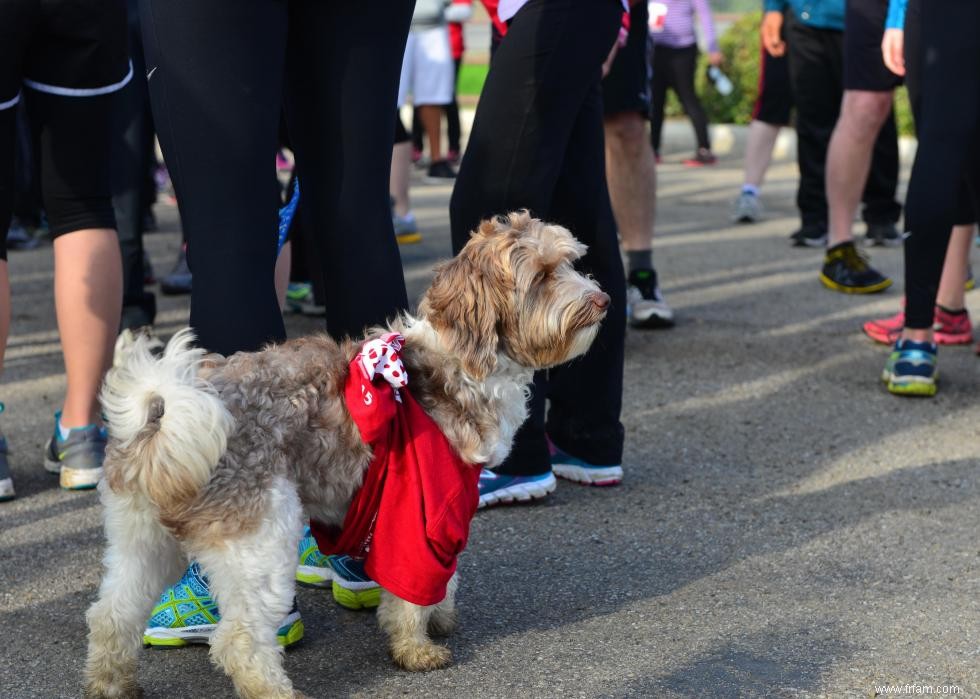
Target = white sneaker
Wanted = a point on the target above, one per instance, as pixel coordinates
(747, 209)
(646, 307)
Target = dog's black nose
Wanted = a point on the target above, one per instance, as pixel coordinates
(600, 299)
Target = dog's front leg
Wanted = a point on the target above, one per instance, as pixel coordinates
(407, 627)
(444, 617)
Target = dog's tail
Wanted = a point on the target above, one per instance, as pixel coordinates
(168, 427)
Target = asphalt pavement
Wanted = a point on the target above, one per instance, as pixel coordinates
(786, 527)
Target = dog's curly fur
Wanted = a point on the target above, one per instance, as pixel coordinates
(220, 459)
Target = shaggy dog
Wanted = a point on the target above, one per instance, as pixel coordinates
(222, 459)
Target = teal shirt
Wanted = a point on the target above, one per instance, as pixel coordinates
(821, 14)
(896, 14)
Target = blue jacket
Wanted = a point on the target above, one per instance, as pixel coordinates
(896, 14)
(821, 14)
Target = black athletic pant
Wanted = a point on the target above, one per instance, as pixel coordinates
(945, 186)
(816, 69)
(674, 68)
(220, 72)
(537, 143)
(131, 161)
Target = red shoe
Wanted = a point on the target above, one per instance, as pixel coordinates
(885, 330)
(952, 329)
(701, 158)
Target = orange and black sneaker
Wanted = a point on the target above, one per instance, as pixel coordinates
(847, 270)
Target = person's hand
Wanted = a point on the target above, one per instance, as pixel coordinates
(772, 27)
(607, 64)
(893, 50)
(715, 58)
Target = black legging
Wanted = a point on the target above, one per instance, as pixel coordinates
(537, 143)
(944, 189)
(220, 71)
(674, 68)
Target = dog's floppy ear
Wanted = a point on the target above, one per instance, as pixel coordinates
(465, 300)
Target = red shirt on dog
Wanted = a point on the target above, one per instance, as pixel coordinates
(411, 517)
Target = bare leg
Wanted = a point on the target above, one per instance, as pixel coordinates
(401, 165)
(88, 301)
(849, 157)
(431, 116)
(142, 558)
(758, 151)
(408, 639)
(952, 292)
(631, 174)
(282, 272)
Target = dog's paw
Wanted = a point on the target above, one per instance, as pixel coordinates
(113, 690)
(443, 623)
(420, 658)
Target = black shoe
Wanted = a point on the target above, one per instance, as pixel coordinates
(846, 270)
(810, 236)
(440, 172)
(885, 234)
(179, 279)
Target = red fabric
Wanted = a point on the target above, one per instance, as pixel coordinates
(491, 7)
(411, 517)
(456, 40)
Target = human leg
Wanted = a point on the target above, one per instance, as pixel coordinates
(684, 64)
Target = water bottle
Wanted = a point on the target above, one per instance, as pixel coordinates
(720, 81)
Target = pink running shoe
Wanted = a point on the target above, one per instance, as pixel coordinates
(950, 328)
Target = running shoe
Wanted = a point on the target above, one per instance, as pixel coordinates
(440, 172)
(179, 280)
(406, 228)
(6, 482)
(970, 280)
(703, 157)
(911, 369)
(883, 234)
(575, 469)
(78, 459)
(949, 328)
(187, 613)
(314, 568)
(747, 209)
(810, 235)
(498, 488)
(352, 588)
(300, 299)
(847, 270)
(18, 237)
(645, 305)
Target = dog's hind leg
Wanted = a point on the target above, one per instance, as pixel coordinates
(407, 627)
(253, 581)
(141, 559)
(444, 617)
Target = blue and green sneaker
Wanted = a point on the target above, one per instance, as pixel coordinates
(78, 459)
(187, 613)
(352, 588)
(575, 469)
(911, 369)
(314, 568)
(498, 488)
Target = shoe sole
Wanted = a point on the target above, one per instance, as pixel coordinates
(174, 290)
(871, 289)
(651, 322)
(745, 219)
(72, 478)
(7, 489)
(594, 475)
(291, 631)
(408, 238)
(809, 242)
(314, 576)
(521, 492)
(912, 386)
(357, 596)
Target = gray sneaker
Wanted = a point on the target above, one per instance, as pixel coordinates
(747, 208)
(406, 228)
(79, 458)
(646, 307)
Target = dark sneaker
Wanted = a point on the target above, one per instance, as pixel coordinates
(179, 279)
(351, 586)
(79, 458)
(646, 307)
(18, 238)
(6, 482)
(847, 270)
(883, 234)
(911, 369)
(440, 172)
(575, 469)
(497, 488)
(810, 236)
(701, 158)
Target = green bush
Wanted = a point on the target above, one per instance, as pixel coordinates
(740, 45)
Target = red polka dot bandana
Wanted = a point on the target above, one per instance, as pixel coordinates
(380, 356)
